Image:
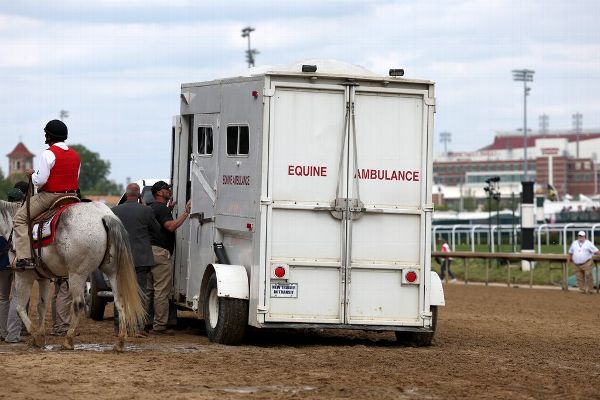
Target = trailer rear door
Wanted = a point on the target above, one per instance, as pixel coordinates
(305, 143)
(387, 180)
(348, 214)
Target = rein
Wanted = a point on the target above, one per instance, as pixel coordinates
(28, 201)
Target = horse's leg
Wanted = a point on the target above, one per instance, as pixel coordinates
(76, 283)
(43, 286)
(23, 282)
(110, 270)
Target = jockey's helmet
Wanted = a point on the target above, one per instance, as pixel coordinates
(57, 129)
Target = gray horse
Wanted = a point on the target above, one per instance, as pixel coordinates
(88, 236)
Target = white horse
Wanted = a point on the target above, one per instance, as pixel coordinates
(88, 236)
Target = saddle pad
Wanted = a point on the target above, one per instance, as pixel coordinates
(48, 228)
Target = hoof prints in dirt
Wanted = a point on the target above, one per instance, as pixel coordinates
(105, 347)
(256, 389)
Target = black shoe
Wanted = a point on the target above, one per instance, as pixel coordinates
(25, 263)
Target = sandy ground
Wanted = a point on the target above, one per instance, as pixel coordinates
(491, 343)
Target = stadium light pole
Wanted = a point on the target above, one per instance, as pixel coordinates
(577, 123)
(250, 53)
(445, 138)
(524, 75)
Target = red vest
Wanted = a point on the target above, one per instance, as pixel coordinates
(65, 172)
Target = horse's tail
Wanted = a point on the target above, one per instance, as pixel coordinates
(128, 289)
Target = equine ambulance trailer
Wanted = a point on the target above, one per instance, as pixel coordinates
(311, 202)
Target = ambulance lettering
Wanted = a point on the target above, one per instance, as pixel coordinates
(387, 175)
(307, 170)
(236, 180)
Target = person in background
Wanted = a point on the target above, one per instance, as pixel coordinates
(445, 262)
(140, 223)
(11, 327)
(6, 274)
(61, 307)
(160, 278)
(581, 255)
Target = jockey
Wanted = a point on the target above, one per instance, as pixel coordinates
(58, 173)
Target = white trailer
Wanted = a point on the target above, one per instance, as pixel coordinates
(311, 202)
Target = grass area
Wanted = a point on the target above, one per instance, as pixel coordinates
(544, 273)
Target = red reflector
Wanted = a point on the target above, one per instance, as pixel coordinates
(411, 276)
(249, 226)
(280, 272)
(254, 94)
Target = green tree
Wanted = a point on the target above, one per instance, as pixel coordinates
(94, 171)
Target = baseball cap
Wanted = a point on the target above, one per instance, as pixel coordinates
(159, 186)
(581, 233)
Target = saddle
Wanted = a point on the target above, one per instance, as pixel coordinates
(44, 225)
(44, 229)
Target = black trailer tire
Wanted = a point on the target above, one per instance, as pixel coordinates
(225, 318)
(97, 304)
(419, 339)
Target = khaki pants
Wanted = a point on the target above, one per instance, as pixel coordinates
(38, 204)
(160, 284)
(61, 306)
(584, 271)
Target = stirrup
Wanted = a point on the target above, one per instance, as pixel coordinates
(25, 263)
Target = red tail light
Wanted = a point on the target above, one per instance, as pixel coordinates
(411, 276)
(280, 272)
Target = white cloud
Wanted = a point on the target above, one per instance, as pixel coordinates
(117, 64)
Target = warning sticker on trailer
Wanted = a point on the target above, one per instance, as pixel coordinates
(284, 290)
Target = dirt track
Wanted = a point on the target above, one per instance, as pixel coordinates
(491, 343)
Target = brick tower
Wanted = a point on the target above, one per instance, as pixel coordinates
(19, 160)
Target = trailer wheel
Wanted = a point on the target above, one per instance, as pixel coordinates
(96, 303)
(419, 339)
(225, 318)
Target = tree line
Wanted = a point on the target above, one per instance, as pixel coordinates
(93, 176)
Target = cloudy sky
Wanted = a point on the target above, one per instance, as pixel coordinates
(117, 65)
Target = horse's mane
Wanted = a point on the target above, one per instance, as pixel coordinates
(8, 209)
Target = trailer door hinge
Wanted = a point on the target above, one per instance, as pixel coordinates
(261, 310)
(268, 92)
(266, 201)
(430, 101)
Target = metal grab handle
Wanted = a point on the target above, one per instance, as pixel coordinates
(341, 163)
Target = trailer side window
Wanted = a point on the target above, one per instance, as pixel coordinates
(238, 140)
(205, 140)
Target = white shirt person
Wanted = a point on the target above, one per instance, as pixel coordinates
(581, 254)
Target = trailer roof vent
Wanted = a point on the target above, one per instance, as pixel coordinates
(396, 72)
(309, 68)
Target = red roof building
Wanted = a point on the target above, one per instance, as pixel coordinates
(19, 160)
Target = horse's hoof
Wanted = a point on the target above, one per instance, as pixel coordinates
(38, 340)
(119, 345)
(68, 344)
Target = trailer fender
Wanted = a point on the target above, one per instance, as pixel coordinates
(232, 280)
(436, 291)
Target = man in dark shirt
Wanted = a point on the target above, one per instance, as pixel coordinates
(140, 224)
(160, 278)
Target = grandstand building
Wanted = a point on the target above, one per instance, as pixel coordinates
(560, 161)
